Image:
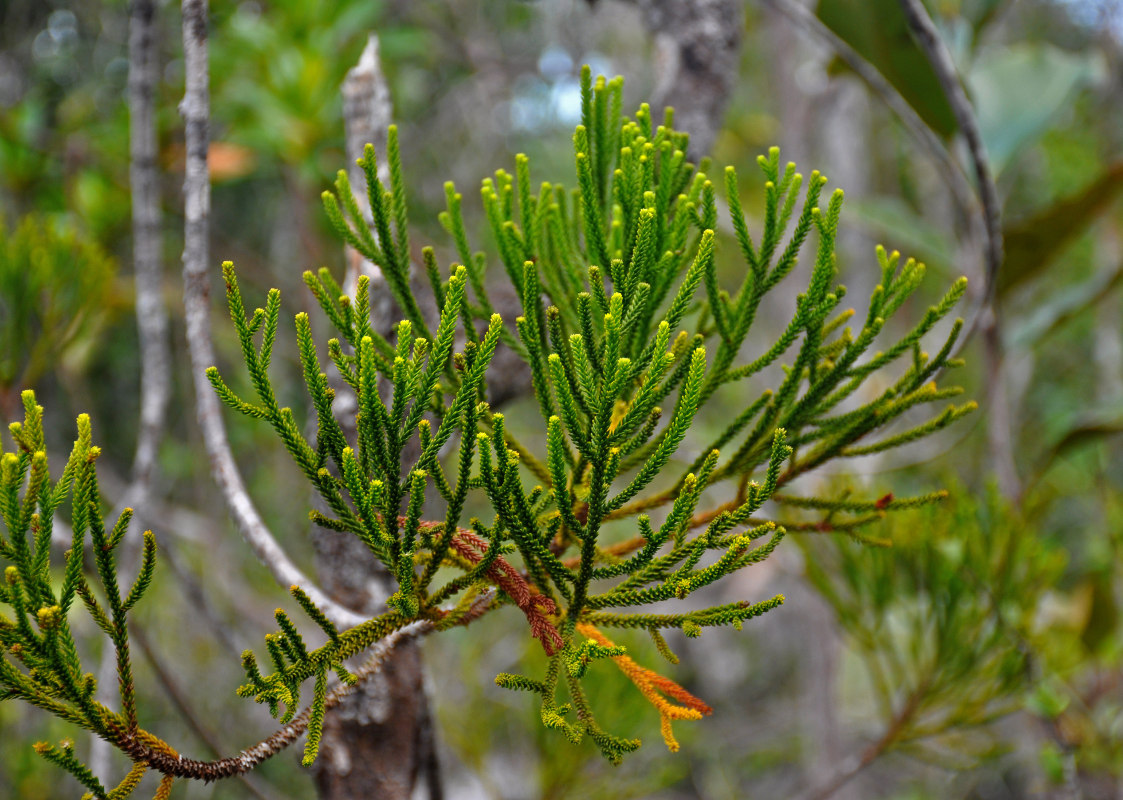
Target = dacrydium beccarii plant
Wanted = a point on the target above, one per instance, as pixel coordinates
(628, 336)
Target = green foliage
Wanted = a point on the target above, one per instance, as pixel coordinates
(1018, 91)
(944, 622)
(39, 660)
(277, 75)
(1029, 250)
(275, 80)
(53, 285)
(1079, 639)
(623, 318)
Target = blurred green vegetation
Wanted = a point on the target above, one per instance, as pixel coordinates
(54, 288)
(1004, 611)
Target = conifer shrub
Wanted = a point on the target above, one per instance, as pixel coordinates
(55, 284)
(627, 335)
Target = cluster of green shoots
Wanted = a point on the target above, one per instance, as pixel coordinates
(40, 663)
(627, 334)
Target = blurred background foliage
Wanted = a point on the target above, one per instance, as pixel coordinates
(979, 657)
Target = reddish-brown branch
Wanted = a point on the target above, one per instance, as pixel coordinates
(534, 606)
(183, 706)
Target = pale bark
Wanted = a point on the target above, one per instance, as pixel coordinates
(197, 308)
(151, 315)
(148, 243)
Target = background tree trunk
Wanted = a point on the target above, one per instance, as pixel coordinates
(697, 53)
(378, 742)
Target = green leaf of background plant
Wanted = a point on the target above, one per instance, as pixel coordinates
(1068, 303)
(1083, 433)
(1018, 89)
(1033, 242)
(877, 29)
(893, 221)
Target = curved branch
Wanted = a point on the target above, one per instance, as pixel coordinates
(928, 38)
(856, 763)
(989, 231)
(183, 706)
(1000, 428)
(143, 747)
(953, 174)
(195, 110)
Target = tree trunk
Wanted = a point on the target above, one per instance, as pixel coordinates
(697, 54)
(379, 741)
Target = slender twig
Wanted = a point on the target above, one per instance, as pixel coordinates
(979, 229)
(856, 763)
(198, 600)
(196, 110)
(953, 174)
(161, 759)
(985, 318)
(988, 229)
(928, 38)
(175, 694)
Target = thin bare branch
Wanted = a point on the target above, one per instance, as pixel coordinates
(928, 38)
(850, 768)
(802, 19)
(985, 229)
(198, 600)
(1000, 430)
(143, 748)
(962, 192)
(196, 111)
